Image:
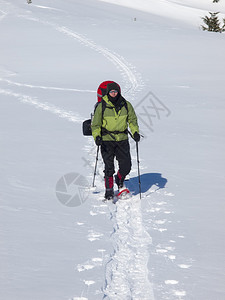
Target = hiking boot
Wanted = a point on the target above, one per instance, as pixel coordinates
(119, 179)
(109, 194)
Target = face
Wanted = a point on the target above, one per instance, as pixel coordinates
(113, 93)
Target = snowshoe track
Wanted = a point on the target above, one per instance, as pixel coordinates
(127, 271)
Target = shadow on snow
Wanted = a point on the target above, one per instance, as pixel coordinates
(147, 181)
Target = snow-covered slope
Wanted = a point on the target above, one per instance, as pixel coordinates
(188, 11)
(169, 244)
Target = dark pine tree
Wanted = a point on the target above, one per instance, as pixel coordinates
(212, 23)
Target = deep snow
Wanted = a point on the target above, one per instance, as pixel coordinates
(169, 245)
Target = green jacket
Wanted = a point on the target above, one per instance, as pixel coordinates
(112, 123)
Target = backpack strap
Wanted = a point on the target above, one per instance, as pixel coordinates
(103, 107)
(125, 104)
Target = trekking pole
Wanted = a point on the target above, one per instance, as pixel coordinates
(138, 162)
(96, 162)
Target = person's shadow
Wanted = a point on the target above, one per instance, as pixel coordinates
(147, 181)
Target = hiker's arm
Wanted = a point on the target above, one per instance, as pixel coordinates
(132, 119)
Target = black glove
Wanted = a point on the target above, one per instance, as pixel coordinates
(98, 140)
(137, 136)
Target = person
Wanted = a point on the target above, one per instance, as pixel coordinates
(110, 131)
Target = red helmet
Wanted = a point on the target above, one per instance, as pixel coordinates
(101, 92)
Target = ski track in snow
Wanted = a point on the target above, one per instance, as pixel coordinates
(61, 113)
(126, 271)
(46, 7)
(10, 82)
(134, 251)
(132, 80)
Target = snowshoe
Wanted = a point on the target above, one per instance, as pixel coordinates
(124, 193)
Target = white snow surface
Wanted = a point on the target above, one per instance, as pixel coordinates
(170, 243)
(188, 11)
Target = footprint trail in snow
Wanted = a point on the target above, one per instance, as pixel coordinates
(127, 271)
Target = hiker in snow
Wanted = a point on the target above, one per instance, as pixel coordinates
(110, 131)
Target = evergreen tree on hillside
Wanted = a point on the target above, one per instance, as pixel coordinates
(213, 23)
(223, 27)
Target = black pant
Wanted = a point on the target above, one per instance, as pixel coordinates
(120, 151)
